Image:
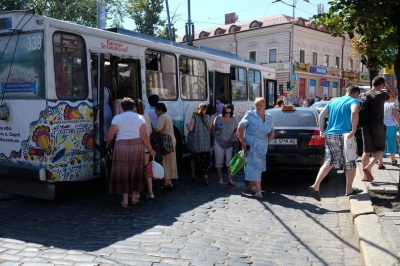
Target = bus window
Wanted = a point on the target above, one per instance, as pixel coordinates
(161, 75)
(239, 84)
(70, 66)
(254, 84)
(193, 78)
(22, 72)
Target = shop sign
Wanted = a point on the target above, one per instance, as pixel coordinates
(333, 72)
(351, 75)
(302, 67)
(318, 70)
(365, 76)
(323, 82)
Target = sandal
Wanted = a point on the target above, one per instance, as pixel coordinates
(205, 180)
(394, 162)
(220, 182)
(315, 194)
(355, 192)
(382, 167)
(124, 205)
(231, 183)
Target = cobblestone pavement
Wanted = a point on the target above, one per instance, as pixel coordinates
(188, 225)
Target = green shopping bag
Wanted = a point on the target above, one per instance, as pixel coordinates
(237, 162)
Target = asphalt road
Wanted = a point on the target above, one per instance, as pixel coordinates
(188, 225)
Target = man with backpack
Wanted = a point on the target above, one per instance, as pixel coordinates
(373, 130)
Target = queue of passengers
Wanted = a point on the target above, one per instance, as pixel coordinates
(209, 131)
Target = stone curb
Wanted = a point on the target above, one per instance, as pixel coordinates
(374, 248)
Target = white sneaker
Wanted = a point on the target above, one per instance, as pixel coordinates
(258, 195)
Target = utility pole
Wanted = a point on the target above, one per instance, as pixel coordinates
(189, 28)
(169, 29)
(101, 15)
(291, 54)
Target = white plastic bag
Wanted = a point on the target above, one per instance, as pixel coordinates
(158, 170)
(350, 148)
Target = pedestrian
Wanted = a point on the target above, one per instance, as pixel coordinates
(218, 106)
(224, 135)
(153, 100)
(165, 126)
(127, 174)
(199, 143)
(279, 103)
(255, 130)
(343, 119)
(374, 133)
(391, 121)
(117, 108)
(149, 129)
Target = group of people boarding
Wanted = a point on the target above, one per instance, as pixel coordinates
(130, 129)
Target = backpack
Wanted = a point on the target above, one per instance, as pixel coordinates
(363, 115)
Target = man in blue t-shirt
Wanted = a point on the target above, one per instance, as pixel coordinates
(343, 118)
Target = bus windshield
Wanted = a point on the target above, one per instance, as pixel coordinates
(19, 77)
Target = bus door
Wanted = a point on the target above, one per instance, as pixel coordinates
(219, 87)
(270, 92)
(121, 78)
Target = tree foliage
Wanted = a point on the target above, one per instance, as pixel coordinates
(373, 27)
(146, 15)
(80, 11)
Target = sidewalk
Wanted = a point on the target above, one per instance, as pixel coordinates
(379, 235)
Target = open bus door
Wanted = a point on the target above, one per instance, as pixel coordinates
(123, 81)
(219, 86)
(270, 92)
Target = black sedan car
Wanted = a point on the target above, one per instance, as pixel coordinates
(297, 144)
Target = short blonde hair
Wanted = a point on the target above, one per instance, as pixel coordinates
(260, 100)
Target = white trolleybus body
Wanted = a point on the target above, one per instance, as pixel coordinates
(51, 110)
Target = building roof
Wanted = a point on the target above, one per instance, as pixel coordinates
(250, 24)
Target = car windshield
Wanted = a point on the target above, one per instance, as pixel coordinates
(319, 104)
(294, 119)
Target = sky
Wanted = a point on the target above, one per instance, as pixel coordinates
(211, 13)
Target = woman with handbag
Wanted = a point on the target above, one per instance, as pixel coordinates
(223, 132)
(255, 130)
(127, 176)
(165, 126)
(199, 142)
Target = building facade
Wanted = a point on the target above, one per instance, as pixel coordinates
(321, 62)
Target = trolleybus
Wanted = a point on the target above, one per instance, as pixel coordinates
(51, 107)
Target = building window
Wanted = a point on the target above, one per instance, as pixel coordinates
(326, 60)
(315, 58)
(272, 55)
(337, 62)
(252, 56)
(254, 24)
(302, 53)
(351, 64)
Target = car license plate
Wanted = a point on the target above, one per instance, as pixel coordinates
(278, 141)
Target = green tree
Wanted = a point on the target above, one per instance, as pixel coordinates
(146, 15)
(373, 27)
(80, 11)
